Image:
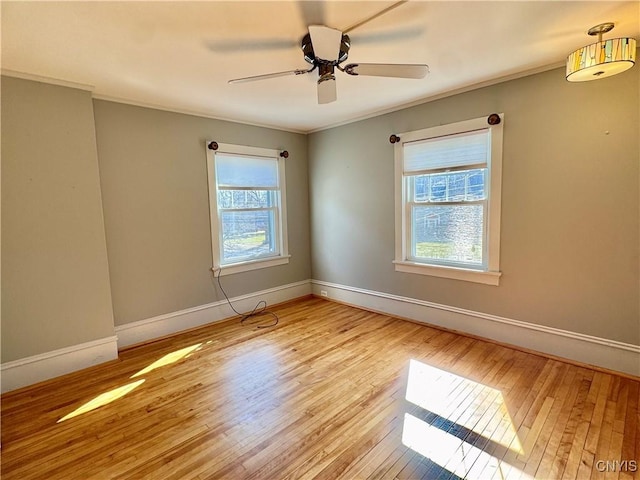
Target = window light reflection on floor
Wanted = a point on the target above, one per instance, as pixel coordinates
(169, 358)
(119, 392)
(103, 399)
(461, 425)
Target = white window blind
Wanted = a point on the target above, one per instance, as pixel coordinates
(246, 171)
(447, 152)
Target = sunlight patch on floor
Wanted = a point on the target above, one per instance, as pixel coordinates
(465, 427)
(453, 454)
(460, 400)
(168, 359)
(113, 395)
(103, 399)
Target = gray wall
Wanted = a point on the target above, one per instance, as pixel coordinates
(55, 279)
(570, 204)
(570, 213)
(153, 173)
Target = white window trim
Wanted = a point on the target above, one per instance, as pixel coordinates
(490, 275)
(214, 220)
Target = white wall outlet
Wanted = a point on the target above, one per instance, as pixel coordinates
(323, 293)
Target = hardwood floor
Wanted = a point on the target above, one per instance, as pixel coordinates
(330, 392)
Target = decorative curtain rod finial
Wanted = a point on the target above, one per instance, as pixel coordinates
(213, 146)
(284, 154)
(493, 119)
(394, 138)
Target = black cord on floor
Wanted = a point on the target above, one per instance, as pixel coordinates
(259, 310)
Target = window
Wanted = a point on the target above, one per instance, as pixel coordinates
(247, 208)
(448, 181)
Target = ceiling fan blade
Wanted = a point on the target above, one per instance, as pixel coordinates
(268, 75)
(234, 46)
(327, 90)
(387, 36)
(374, 16)
(325, 41)
(398, 70)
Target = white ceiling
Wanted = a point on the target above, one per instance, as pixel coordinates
(180, 55)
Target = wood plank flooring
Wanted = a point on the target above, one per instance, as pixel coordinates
(330, 392)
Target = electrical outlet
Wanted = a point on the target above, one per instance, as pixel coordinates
(323, 293)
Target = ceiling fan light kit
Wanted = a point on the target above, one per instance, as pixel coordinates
(603, 58)
(326, 48)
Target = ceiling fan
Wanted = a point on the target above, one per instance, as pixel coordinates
(327, 48)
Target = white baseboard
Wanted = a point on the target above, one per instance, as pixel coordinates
(30, 370)
(610, 354)
(37, 368)
(161, 325)
(601, 352)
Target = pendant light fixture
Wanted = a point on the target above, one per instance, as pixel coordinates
(603, 58)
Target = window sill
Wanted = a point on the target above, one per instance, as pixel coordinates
(465, 274)
(252, 265)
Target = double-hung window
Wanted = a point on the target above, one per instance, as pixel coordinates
(247, 207)
(448, 181)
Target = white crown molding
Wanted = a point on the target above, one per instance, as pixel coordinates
(193, 113)
(37, 368)
(172, 109)
(49, 80)
(438, 96)
(135, 103)
(586, 349)
(174, 322)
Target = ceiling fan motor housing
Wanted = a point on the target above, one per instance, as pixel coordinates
(307, 49)
(325, 48)
(310, 56)
(326, 72)
(345, 45)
